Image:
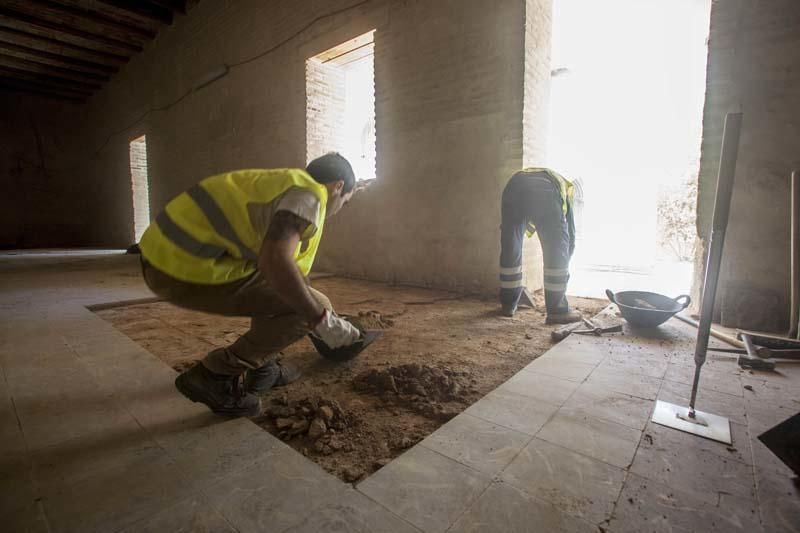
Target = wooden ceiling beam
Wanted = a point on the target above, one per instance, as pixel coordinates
(50, 70)
(178, 6)
(71, 47)
(82, 18)
(62, 32)
(56, 81)
(60, 48)
(44, 87)
(142, 11)
(55, 60)
(13, 86)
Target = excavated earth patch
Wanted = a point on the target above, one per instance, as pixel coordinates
(439, 354)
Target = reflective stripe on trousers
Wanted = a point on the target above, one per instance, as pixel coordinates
(555, 279)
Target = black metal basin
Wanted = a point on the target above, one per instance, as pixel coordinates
(647, 309)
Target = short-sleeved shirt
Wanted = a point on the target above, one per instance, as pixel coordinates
(299, 202)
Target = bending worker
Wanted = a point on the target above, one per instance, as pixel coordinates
(242, 244)
(538, 200)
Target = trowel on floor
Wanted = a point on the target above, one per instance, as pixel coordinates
(689, 419)
(345, 353)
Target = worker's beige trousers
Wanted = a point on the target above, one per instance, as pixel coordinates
(273, 327)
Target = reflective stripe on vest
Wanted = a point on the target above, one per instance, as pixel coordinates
(205, 235)
(218, 220)
(174, 233)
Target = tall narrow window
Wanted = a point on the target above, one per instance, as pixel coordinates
(139, 186)
(340, 97)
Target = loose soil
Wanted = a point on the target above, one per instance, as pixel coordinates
(440, 352)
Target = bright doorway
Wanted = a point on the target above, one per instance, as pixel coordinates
(626, 111)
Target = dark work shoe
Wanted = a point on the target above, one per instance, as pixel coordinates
(508, 310)
(563, 318)
(222, 394)
(273, 374)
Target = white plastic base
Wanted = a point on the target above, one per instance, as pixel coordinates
(704, 424)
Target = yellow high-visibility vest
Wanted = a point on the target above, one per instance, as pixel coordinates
(205, 234)
(565, 188)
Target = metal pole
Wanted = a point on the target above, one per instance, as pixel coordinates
(722, 206)
(794, 312)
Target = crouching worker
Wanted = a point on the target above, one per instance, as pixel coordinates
(538, 200)
(242, 244)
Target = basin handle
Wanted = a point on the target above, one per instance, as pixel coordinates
(685, 304)
(611, 296)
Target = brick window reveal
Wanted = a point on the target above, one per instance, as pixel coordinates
(139, 186)
(340, 100)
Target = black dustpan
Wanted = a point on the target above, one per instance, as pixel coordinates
(345, 353)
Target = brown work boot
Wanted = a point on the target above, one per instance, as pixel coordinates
(224, 395)
(273, 374)
(563, 318)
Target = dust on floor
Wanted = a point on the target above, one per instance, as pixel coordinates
(440, 353)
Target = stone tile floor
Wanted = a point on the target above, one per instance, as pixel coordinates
(93, 437)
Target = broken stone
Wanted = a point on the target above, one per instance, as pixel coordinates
(389, 384)
(353, 473)
(279, 411)
(326, 413)
(380, 463)
(283, 423)
(419, 390)
(317, 428)
(337, 408)
(301, 426)
(405, 442)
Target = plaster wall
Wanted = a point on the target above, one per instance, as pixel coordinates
(450, 91)
(754, 50)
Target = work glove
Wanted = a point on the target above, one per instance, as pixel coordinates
(336, 332)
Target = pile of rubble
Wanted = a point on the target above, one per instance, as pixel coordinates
(320, 421)
(437, 393)
(436, 384)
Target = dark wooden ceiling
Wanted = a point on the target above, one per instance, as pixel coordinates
(68, 49)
